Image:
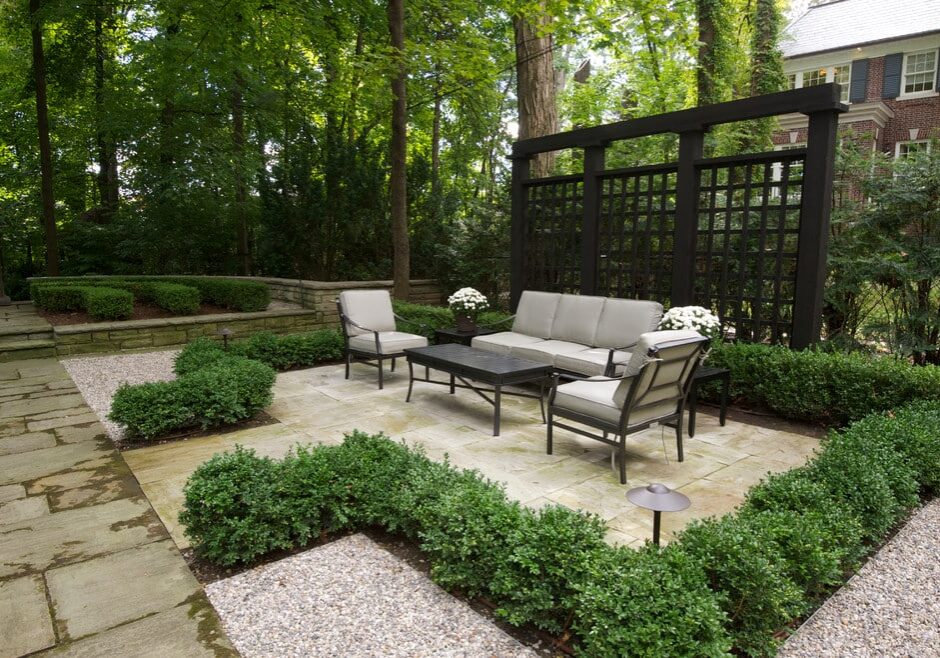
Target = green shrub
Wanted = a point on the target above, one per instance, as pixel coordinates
(293, 350)
(825, 387)
(227, 391)
(149, 410)
(423, 319)
(748, 570)
(196, 355)
(233, 510)
(647, 603)
(175, 298)
(235, 294)
(57, 297)
(108, 303)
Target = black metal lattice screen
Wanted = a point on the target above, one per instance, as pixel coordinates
(554, 211)
(636, 232)
(747, 241)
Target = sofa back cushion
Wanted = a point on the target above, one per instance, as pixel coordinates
(371, 309)
(536, 313)
(623, 321)
(576, 319)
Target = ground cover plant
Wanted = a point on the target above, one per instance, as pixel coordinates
(215, 386)
(731, 583)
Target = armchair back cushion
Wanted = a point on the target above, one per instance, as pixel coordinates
(371, 309)
(649, 377)
(623, 320)
(536, 313)
(576, 319)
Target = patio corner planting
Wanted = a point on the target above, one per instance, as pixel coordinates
(733, 582)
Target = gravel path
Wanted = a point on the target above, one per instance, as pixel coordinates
(98, 377)
(890, 608)
(351, 598)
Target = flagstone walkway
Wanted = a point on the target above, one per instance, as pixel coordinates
(86, 566)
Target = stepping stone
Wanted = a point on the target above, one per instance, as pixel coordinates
(154, 578)
(26, 466)
(25, 625)
(26, 442)
(11, 492)
(23, 509)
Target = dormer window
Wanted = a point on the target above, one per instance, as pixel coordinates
(920, 71)
(812, 77)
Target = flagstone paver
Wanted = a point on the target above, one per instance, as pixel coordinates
(319, 405)
(83, 555)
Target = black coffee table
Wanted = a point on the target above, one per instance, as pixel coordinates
(469, 363)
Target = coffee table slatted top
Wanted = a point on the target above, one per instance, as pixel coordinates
(481, 365)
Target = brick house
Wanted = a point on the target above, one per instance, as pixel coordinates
(886, 56)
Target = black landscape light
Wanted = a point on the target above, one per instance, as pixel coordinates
(659, 498)
(225, 333)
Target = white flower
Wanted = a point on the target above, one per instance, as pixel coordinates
(695, 318)
(468, 301)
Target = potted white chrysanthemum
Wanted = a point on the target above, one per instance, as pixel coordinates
(696, 318)
(467, 304)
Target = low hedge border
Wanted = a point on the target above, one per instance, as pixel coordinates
(732, 582)
(829, 388)
(216, 387)
(233, 294)
(99, 303)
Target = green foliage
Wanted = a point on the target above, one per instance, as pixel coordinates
(245, 296)
(57, 298)
(232, 511)
(219, 391)
(825, 387)
(647, 603)
(176, 298)
(196, 355)
(423, 319)
(293, 350)
(746, 568)
(108, 304)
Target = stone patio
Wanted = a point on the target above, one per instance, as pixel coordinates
(86, 566)
(319, 405)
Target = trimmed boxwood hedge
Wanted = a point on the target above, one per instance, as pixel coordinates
(279, 352)
(168, 293)
(99, 303)
(733, 581)
(831, 388)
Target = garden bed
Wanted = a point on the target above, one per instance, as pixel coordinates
(142, 311)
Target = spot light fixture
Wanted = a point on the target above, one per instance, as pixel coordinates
(659, 498)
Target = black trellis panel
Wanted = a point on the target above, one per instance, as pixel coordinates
(553, 210)
(637, 232)
(747, 241)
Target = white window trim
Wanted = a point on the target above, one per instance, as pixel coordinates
(830, 77)
(897, 145)
(927, 93)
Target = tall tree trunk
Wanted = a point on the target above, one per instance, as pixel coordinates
(241, 186)
(535, 80)
(107, 178)
(766, 69)
(45, 149)
(401, 270)
(707, 72)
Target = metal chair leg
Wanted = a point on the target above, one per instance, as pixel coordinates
(393, 364)
(548, 445)
(381, 373)
(623, 460)
(348, 359)
(679, 438)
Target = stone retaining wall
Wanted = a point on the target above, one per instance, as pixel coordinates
(164, 332)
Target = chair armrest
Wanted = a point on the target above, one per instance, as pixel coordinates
(423, 326)
(358, 326)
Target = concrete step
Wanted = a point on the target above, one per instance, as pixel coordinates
(27, 349)
(17, 334)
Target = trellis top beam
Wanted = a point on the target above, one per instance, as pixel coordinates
(807, 100)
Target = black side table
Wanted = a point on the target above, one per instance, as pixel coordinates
(703, 375)
(452, 335)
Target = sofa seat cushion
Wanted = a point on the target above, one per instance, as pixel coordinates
(592, 361)
(546, 350)
(503, 342)
(596, 399)
(390, 342)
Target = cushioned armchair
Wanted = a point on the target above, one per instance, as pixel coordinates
(369, 330)
(653, 389)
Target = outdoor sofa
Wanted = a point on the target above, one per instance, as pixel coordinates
(575, 333)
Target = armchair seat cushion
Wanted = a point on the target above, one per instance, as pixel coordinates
(503, 342)
(545, 351)
(390, 342)
(596, 399)
(591, 361)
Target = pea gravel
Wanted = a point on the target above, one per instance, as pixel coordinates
(891, 608)
(98, 377)
(351, 598)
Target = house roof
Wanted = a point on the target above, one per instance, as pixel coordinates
(839, 24)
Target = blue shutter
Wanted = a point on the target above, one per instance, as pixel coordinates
(859, 84)
(891, 86)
